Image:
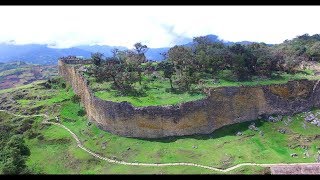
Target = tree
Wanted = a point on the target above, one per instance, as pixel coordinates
(75, 98)
(168, 71)
(97, 58)
(14, 156)
(122, 68)
(266, 61)
(114, 70)
(164, 55)
(244, 62)
(314, 51)
(184, 65)
(135, 58)
(115, 52)
(140, 48)
(239, 68)
(209, 55)
(133, 63)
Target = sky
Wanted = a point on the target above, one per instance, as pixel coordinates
(155, 26)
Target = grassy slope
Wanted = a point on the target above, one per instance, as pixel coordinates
(23, 74)
(220, 149)
(57, 153)
(21, 87)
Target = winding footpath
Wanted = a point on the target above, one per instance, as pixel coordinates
(79, 144)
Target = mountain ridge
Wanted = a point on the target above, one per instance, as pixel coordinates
(44, 54)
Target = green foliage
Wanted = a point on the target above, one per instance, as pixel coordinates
(185, 66)
(209, 56)
(75, 98)
(239, 68)
(123, 69)
(81, 112)
(188, 67)
(55, 83)
(14, 156)
(168, 71)
(97, 58)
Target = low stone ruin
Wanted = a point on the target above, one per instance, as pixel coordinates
(274, 119)
(253, 127)
(239, 133)
(294, 155)
(312, 118)
(282, 131)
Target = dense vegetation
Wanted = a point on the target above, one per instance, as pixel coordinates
(189, 69)
(13, 151)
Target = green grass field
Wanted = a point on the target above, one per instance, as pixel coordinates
(156, 94)
(56, 152)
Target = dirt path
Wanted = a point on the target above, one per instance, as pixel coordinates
(79, 144)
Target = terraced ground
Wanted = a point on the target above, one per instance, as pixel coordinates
(54, 151)
(15, 74)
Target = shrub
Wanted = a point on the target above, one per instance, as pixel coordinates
(75, 99)
(82, 112)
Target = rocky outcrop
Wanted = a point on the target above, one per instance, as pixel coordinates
(223, 106)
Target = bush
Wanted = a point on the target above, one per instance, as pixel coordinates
(14, 157)
(40, 137)
(63, 85)
(75, 99)
(82, 112)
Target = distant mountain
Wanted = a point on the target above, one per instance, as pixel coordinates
(151, 54)
(42, 54)
(105, 49)
(154, 53)
(36, 53)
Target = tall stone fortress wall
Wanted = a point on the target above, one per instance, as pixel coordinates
(222, 106)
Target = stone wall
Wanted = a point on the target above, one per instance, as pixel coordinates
(223, 106)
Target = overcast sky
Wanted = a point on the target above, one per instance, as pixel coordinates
(156, 26)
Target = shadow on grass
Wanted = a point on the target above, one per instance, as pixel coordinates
(228, 130)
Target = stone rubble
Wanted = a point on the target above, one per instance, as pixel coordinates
(239, 133)
(312, 118)
(253, 127)
(304, 125)
(306, 154)
(261, 133)
(274, 119)
(282, 131)
(104, 145)
(294, 155)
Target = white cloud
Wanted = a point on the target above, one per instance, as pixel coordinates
(124, 25)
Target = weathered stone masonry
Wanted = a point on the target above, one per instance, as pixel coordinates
(223, 106)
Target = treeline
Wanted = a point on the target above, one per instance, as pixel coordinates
(187, 65)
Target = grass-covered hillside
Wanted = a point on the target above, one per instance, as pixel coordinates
(54, 151)
(19, 73)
